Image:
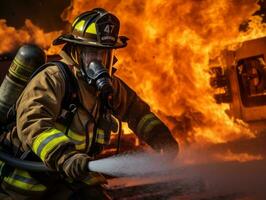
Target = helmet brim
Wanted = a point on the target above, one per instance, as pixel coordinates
(69, 38)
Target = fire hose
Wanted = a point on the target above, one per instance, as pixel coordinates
(23, 164)
(33, 165)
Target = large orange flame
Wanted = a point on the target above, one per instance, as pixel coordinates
(167, 59)
(11, 38)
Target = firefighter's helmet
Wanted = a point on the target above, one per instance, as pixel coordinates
(97, 28)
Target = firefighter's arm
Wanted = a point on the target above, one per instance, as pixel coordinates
(37, 110)
(132, 109)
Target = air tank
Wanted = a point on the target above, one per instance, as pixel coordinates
(28, 58)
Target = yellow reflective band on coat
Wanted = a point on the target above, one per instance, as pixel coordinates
(146, 124)
(144, 120)
(1, 166)
(151, 125)
(22, 179)
(100, 137)
(47, 141)
(78, 139)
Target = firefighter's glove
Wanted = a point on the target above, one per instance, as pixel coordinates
(76, 167)
(164, 142)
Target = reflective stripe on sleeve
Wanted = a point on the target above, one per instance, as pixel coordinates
(100, 137)
(78, 139)
(151, 125)
(22, 179)
(147, 123)
(2, 164)
(143, 120)
(47, 141)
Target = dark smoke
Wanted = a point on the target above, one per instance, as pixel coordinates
(44, 13)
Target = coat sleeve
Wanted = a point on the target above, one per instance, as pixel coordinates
(37, 110)
(130, 108)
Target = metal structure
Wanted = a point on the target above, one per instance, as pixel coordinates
(242, 78)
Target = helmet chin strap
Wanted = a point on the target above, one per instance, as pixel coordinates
(75, 53)
(110, 62)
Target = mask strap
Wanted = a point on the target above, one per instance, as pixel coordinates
(75, 54)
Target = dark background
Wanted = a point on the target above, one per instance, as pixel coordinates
(262, 11)
(44, 13)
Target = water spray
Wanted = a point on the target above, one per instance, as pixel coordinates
(132, 164)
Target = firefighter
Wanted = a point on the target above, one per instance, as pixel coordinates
(67, 147)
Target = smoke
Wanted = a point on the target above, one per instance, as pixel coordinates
(44, 14)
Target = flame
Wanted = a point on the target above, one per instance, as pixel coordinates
(10, 38)
(194, 155)
(167, 59)
(239, 157)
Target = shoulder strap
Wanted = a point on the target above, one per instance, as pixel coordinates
(71, 84)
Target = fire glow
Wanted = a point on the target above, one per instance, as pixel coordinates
(167, 59)
(29, 33)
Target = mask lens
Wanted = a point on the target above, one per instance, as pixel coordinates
(105, 56)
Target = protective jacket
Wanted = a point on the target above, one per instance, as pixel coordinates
(38, 128)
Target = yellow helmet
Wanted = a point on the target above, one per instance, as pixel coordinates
(96, 28)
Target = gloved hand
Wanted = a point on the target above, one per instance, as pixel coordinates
(76, 166)
(163, 141)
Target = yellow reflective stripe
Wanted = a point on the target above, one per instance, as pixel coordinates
(25, 67)
(100, 141)
(151, 125)
(41, 137)
(79, 25)
(144, 120)
(100, 136)
(13, 71)
(80, 146)
(51, 145)
(23, 180)
(76, 137)
(71, 134)
(1, 166)
(90, 138)
(79, 140)
(91, 29)
(100, 132)
(47, 141)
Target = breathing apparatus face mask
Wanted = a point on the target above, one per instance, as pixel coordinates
(96, 68)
